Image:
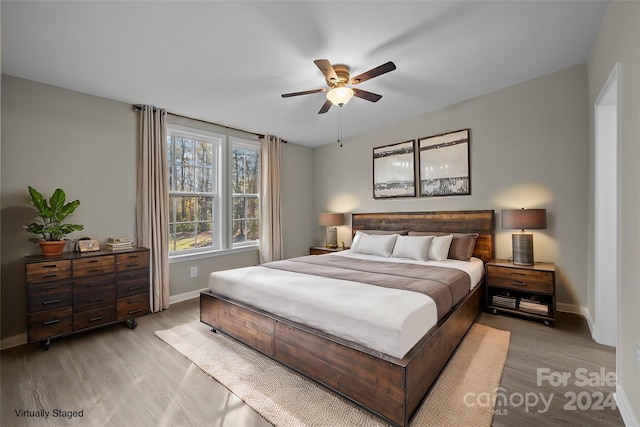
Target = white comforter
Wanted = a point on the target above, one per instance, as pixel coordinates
(388, 320)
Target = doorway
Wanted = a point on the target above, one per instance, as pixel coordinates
(606, 211)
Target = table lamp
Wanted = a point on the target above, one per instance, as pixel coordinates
(522, 244)
(330, 220)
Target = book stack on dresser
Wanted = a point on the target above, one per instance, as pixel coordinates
(116, 243)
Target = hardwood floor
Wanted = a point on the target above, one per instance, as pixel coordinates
(122, 377)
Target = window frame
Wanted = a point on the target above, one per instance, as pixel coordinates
(223, 195)
(247, 145)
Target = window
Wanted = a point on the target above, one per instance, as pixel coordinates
(245, 193)
(213, 191)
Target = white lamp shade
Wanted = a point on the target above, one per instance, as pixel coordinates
(340, 95)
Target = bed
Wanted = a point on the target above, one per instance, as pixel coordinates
(390, 377)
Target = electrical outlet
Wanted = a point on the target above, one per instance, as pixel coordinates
(638, 353)
(194, 271)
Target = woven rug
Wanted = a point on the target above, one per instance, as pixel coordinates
(285, 398)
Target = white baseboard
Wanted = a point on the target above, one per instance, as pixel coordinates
(13, 341)
(626, 411)
(173, 299)
(571, 308)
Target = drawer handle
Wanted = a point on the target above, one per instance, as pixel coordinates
(133, 256)
(48, 276)
(92, 285)
(53, 301)
(48, 288)
(133, 276)
(96, 270)
(515, 282)
(134, 288)
(95, 319)
(51, 322)
(50, 266)
(134, 311)
(133, 264)
(93, 261)
(96, 299)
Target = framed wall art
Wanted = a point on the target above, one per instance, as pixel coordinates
(393, 170)
(444, 164)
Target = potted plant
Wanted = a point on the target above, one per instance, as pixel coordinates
(51, 227)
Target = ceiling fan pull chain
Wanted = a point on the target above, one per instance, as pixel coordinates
(340, 126)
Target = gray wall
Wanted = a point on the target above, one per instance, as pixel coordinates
(617, 40)
(53, 137)
(529, 148)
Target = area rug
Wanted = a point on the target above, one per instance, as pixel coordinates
(462, 395)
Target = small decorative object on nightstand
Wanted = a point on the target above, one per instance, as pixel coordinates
(321, 250)
(529, 291)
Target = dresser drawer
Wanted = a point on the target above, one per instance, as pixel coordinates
(520, 279)
(97, 299)
(48, 271)
(88, 319)
(93, 266)
(133, 282)
(132, 260)
(135, 306)
(46, 324)
(48, 296)
(94, 284)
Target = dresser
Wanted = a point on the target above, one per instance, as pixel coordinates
(75, 292)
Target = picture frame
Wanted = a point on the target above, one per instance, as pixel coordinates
(394, 170)
(444, 168)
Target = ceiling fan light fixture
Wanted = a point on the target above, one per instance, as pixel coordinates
(340, 95)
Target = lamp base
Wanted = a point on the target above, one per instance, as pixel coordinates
(522, 245)
(332, 237)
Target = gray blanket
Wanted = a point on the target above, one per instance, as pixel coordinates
(446, 286)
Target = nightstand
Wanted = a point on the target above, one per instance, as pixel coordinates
(525, 290)
(321, 250)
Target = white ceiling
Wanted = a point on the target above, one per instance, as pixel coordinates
(229, 62)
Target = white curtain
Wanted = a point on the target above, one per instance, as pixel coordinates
(270, 245)
(152, 203)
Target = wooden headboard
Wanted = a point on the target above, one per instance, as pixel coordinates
(481, 222)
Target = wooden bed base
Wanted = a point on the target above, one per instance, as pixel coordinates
(390, 388)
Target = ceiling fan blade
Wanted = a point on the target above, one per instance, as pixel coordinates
(325, 107)
(327, 69)
(369, 96)
(306, 92)
(374, 72)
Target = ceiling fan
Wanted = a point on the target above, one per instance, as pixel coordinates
(338, 80)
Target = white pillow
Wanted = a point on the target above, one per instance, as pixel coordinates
(375, 244)
(355, 241)
(413, 247)
(439, 248)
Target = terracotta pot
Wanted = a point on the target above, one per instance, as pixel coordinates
(52, 248)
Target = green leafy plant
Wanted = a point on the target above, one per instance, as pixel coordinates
(52, 214)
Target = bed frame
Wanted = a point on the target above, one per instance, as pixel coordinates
(390, 388)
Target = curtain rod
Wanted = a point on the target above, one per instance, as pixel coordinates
(259, 135)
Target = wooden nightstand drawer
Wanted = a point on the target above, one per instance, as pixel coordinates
(520, 279)
(93, 266)
(48, 271)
